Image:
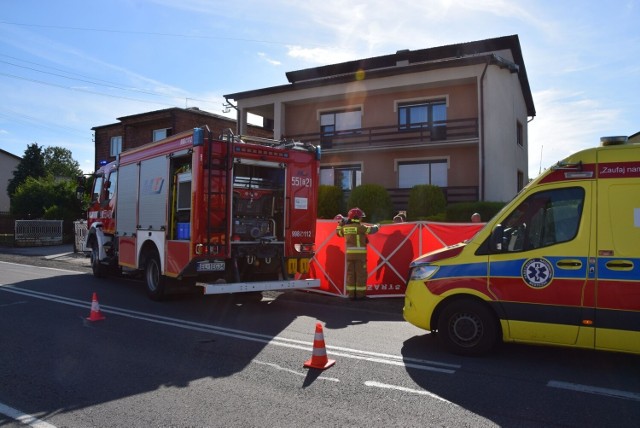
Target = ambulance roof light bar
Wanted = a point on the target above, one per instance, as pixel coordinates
(613, 141)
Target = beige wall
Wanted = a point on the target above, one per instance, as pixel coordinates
(379, 109)
(491, 161)
(381, 168)
(503, 108)
(7, 165)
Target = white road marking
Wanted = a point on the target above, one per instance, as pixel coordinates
(589, 389)
(22, 302)
(277, 367)
(409, 390)
(17, 415)
(48, 268)
(333, 351)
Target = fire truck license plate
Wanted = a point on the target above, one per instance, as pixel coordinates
(210, 266)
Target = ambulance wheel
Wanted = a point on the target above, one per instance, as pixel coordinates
(156, 282)
(467, 327)
(97, 267)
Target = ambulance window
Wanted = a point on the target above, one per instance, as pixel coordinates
(544, 219)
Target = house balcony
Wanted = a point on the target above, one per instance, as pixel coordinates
(386, 137)
(379, 137)
(452, 195)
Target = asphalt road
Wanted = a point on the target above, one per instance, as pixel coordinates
(238, 361)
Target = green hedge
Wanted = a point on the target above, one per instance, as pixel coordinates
(462, 211)
(330, 201)
(374, 200)
(426, 201)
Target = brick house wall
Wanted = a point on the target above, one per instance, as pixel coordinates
(138, 129)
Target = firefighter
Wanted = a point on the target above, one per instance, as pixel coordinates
(355, 233)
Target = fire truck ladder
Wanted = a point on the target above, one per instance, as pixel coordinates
(227, 194)
(216, 168)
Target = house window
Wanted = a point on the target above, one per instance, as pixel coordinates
(345, 176)
(116, 146)
(519, 134)
(422, 172)
(520, 183)
(430, 115)
(332, 123)
(159, 134)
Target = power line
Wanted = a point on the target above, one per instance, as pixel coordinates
(57, 69)
(34, 121)
(83, 90)
(144, 33)
(93, 81)
(113, 86)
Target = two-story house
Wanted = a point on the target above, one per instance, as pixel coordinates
(138, 129)
(454, 116)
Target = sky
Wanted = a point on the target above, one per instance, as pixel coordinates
(70, 65)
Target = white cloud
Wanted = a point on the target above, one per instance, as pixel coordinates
(567, 122)
(265, 57)
(564, 46)
(320, 55)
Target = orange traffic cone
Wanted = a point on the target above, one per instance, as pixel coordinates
(319, 358)
(95, 315)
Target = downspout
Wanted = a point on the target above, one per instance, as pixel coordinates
(482, 172)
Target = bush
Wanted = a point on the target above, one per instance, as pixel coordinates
(330, 201)
(374, 200)
(46, 198)
(425, 200)
(461, 212)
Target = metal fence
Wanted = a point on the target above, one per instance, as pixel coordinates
(33, 233)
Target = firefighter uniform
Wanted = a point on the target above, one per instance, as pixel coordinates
(355, 233)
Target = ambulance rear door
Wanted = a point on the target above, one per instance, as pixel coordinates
(618, 243)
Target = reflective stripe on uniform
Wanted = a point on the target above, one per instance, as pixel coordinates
(357, 250)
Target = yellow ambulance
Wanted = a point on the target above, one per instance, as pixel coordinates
(558, 265)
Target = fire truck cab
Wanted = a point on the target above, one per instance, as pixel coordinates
(227, 214)
(558, 265)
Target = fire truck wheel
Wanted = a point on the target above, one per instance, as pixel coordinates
(467, 327)
(97, 268)
(156, 282)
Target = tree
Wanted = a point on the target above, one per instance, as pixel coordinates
(44, 185)
(46, 198)
(31, 165)
(59, 162)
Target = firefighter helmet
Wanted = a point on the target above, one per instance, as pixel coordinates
(355, 213)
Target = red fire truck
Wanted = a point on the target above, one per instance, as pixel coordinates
(226, 214)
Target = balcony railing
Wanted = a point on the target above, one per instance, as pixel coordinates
(452, 194)
(380, 136)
